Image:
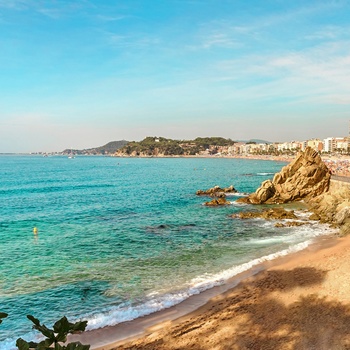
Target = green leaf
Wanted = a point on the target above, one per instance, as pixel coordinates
(59, 347)
(43, 345)
(34, 320)
(77, 346)
(22, 344)
(32, 345)
(3, 315)
(78, 327)
(61, 338)
(62, 326)
(48, 333)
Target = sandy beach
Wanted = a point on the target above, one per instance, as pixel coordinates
(301, 301)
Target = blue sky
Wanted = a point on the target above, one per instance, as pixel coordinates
(85, 72)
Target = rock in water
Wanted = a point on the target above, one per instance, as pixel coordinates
(217, 202)
(305, 177)
(268, 214)
(215, 191)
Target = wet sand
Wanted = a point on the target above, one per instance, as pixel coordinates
(301, 301)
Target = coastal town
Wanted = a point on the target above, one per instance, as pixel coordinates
(335, 151)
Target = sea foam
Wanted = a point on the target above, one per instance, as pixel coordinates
(196, 286)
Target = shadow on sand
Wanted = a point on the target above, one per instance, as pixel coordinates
(254, 316)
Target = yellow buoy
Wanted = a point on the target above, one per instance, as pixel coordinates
(35, 230)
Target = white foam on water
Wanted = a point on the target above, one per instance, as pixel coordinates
(158, 302)
(237, 194)
(10, 343)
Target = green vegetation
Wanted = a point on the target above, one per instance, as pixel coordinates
(153, 146)
(109, 148)
(54, 337)
(2, 315)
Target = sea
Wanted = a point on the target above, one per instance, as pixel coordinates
(121, 238)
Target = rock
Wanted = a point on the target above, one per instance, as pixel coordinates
(217, 202)
(342, 215)
(214, 191)
(333, 207)
(290, 224)
(268, 214)
(345, 229)
(305, 177)
(314, 217)
(218, 195)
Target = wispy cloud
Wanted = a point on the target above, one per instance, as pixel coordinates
(329, 33)
(52, 10)
(136, 40)
(106, 18)
(316, 74)
(18, 5)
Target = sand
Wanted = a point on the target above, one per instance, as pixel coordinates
(298, 302)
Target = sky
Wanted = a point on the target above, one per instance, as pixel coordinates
(78, 74)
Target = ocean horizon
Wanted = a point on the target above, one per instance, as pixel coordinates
(120, 238)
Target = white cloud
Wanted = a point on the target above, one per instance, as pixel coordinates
(321, 71)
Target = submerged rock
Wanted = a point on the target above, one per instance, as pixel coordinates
(307, 176)
(290, 224)
(217, 202)
(216, 191)
(268, 214)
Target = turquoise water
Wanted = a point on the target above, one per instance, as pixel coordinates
(119, 238)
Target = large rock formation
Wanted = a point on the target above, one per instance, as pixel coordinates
(334, 206)
(305, 177)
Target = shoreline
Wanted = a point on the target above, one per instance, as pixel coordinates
(338, 164)
(297, 302)
(138, 332)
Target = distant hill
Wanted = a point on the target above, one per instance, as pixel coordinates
(109, 148)
(257, 141)
(160, 146)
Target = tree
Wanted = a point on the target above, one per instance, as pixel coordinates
(3, 315)
(55, 336)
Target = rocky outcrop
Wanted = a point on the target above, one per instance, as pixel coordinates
(217, 202)
(305, 177)
(290, 224)
(216, 191)
(333, 206)
(268, 214)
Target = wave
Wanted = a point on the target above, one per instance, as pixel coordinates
(258, 174)
(237, 194)
(158, 302)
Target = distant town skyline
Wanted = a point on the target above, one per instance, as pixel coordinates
(78, 74)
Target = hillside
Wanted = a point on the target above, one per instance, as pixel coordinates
(107, 149)
(160, 146)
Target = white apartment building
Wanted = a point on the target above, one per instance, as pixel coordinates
(333, 144)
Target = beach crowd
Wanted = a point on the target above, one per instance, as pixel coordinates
(337, 166)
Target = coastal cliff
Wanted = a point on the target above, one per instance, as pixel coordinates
(333, 206)
(308, 178)
(305, 177)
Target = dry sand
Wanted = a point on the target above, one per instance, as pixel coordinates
(298, 302)
(301, 301)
